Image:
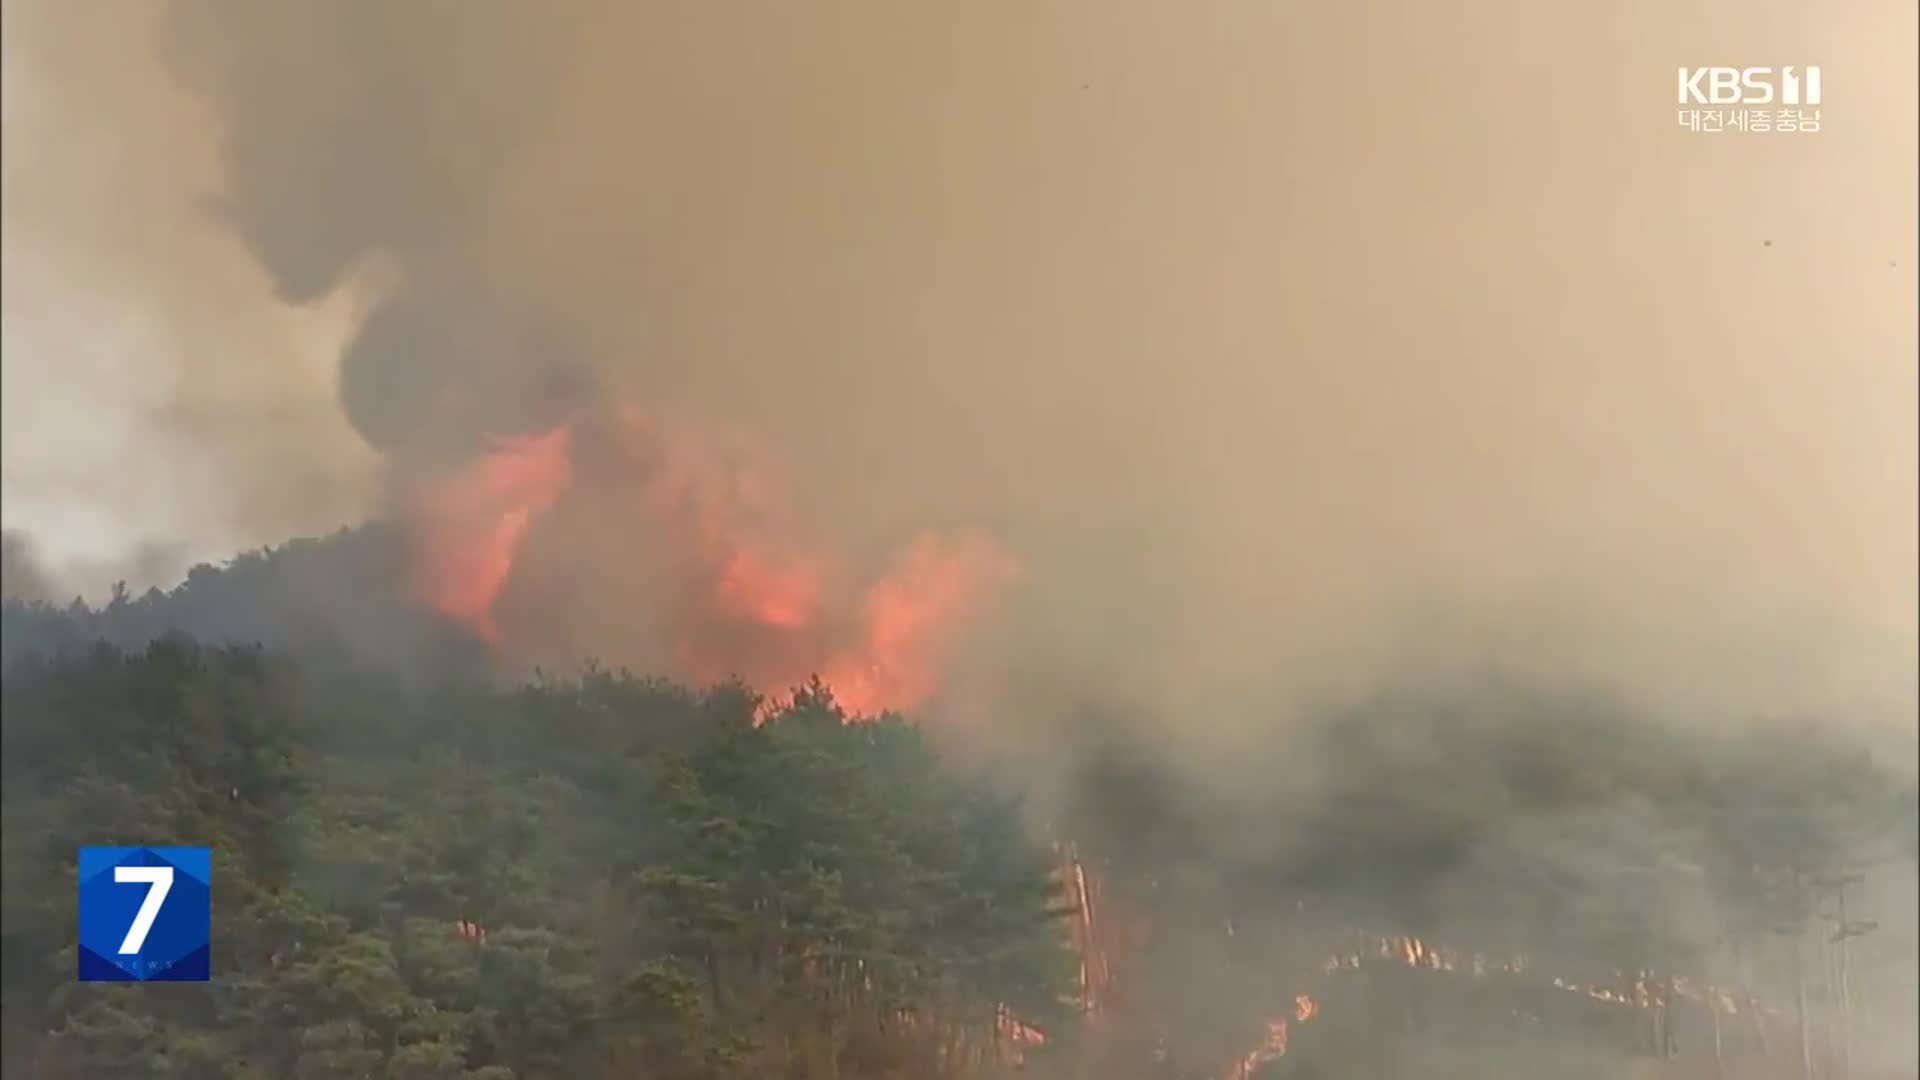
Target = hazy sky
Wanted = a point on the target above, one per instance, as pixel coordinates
(1252, 327)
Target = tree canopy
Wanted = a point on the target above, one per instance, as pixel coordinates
(600, 876)
(420, 873)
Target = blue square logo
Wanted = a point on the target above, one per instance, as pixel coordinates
(146, 914)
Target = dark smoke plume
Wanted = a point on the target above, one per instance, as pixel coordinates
(367, 132)
(1260, 390)
(21, 577)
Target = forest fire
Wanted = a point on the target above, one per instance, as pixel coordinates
(471, 526)
(668, 546)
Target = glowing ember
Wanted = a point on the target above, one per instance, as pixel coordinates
(714, 568)
(1272, 1048)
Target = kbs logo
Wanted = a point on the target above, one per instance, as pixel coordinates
(1750, 86)
(146, 914)
(1764, 100)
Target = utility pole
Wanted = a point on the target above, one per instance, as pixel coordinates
(1800, 1004)
(1806, 909)
(1844, 931)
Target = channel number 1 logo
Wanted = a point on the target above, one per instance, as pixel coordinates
(146, 914)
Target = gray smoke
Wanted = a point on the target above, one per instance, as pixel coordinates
(21, 576)
(1264, 382)
(367, 132)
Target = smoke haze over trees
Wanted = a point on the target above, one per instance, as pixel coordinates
(1595, 887)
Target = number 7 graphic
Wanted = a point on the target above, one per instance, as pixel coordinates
(159, 932)
(161, 880)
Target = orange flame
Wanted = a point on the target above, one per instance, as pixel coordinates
(474, 524)
(747, 602)
(908, 620)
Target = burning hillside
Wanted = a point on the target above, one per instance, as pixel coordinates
(671, 547)
(1403, 541)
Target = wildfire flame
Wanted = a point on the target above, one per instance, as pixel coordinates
(1635, 990)
(473, 523)
(1272, 1048)
(734, 592)
(1081, 931)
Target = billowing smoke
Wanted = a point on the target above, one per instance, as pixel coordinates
(1254, 383)
(550, 512)
(21, 576)
(370, 139)
(160, 406)
(437, 377)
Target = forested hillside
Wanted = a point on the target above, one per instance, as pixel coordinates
(1501, 882)
(421, 873)
(338, 597)
(597, 878)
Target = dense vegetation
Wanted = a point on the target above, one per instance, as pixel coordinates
(669, 890)
(1694, 875)
(328, 599)
(665, 888)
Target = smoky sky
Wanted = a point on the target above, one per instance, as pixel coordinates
(1274, 338)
